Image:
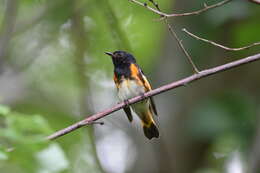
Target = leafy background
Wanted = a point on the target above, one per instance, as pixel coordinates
(53, 72)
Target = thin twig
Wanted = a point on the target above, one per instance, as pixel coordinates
(164, 88)
(155, 4)
(219, 45)
(163, 15)
(173, 33)
(150, 8)
(206, 8)
(195, 69)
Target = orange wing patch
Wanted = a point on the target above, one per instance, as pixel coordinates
(134, 70)
(135, 74)
(139, 77)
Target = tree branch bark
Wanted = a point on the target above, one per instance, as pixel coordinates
(164, 88)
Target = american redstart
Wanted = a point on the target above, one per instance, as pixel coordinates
(130, 82)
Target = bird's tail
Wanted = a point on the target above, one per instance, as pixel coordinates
(149, 127)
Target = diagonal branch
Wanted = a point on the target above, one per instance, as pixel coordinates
(163, 15)
(156, 91)
(219, 45)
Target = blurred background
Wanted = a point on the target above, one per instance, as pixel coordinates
(53, 72)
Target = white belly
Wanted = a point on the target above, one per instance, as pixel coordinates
(129, 89)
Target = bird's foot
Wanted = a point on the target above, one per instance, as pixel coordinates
(127, 103)
(142, 96)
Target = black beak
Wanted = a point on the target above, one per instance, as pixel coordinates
(109, 53)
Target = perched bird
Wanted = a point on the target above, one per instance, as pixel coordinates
(130, 82)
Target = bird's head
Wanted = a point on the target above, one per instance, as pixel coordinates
(121, 58)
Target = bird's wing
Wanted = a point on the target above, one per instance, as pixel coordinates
(153, 107)
(148, 87)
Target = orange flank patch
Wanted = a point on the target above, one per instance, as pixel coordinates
(116, 81)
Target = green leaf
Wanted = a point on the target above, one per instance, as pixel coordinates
(4, 110)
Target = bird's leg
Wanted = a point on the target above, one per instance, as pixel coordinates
(142, 96)
(127, 103)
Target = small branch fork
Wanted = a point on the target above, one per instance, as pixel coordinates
(164, 88)
(175, 36)
(165, 15)
(219, 45)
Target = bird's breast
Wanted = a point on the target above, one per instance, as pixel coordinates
(129, 88)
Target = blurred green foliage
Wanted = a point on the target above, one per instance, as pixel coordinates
(226, 113)
(22, 136)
